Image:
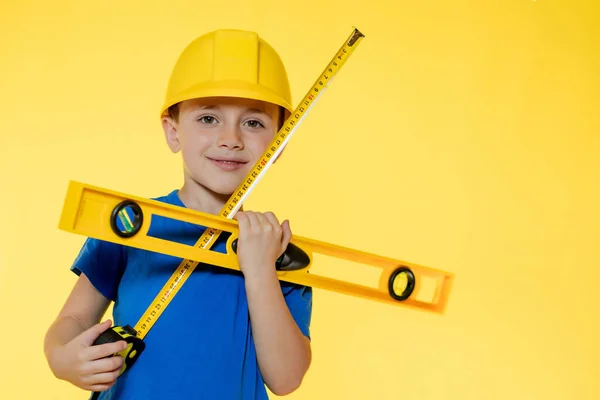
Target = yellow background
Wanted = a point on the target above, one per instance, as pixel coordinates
(463, 135)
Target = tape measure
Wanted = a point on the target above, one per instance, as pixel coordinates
(245, 188)
(135, 346)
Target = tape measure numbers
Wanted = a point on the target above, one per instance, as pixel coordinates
(245, 188)
(93, 211)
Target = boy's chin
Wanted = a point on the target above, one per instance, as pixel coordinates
(224, 189)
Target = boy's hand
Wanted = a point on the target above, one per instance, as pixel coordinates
(85, 365)
(261, 241)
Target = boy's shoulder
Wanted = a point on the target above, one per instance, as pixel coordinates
(170, 197)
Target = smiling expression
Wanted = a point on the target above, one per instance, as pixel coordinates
(221, 139)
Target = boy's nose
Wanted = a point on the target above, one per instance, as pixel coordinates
(230, 137)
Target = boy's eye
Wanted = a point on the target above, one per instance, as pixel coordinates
(207, 119)
(255, 123)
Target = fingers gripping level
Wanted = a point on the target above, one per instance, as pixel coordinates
(125, 219)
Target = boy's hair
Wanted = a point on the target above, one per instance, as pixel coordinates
(229, 63)
(173, 112)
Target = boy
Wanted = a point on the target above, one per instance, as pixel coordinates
(227, 333)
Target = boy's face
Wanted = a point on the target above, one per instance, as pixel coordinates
(221, 139)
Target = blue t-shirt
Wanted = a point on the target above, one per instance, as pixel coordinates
(201, 347)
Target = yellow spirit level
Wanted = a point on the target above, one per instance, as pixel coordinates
(125, 219)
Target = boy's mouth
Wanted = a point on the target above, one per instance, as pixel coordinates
(228, 163)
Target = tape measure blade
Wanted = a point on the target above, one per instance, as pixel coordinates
(281, 139)
(291, 124)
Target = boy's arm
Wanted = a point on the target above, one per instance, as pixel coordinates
(83, 308)
(283, 351)
(67, 341)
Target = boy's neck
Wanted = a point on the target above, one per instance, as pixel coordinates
(199, 198)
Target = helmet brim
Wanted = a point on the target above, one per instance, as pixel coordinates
(239, 89)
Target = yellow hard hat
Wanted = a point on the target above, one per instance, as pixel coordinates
(231, 63)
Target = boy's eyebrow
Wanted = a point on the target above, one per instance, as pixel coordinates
(257, 110)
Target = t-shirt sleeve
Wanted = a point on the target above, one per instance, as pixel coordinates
(103, 263)
(299, 301)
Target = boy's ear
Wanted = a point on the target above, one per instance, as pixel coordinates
(171, 135)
